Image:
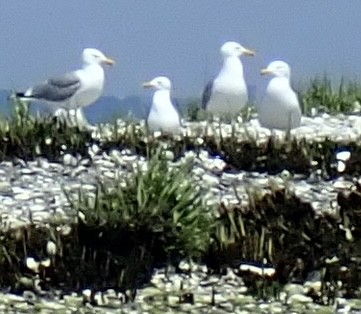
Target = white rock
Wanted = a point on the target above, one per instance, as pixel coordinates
(51, 248)
(86, 293)
(341, 166)
(299, 298)
(23, 196)
(344, 155)
(46, 263)
(32, 264)
(210, 180)
(69, 160)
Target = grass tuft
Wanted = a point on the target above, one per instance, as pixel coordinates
(157, 208)
(28, 137)
(325, 96)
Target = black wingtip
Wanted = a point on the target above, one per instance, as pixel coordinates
(17, 96)
(23, 96)
(20, 95)
(206, 96)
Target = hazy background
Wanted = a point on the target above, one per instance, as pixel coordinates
(177, 38)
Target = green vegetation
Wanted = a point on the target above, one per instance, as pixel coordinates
(155, 214)
(193, 111)
(155, 217)
(321, 93)
(160, 204)
(324, 95)
(26, 137)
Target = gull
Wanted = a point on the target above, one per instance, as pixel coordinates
(162, 116)
(227, 93)
(74, 90)
(280, 108)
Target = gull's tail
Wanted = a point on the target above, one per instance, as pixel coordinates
(22, 95)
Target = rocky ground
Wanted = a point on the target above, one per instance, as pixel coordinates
(36, 190)
(192, 290)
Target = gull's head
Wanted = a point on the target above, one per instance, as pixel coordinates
(234, 49)
(92, 55)
(159, 83)
(278, 69)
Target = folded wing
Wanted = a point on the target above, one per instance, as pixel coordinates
(56, 89)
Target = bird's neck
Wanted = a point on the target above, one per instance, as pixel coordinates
(93, 67)
(281, 81)
(161, 97)
(233, 66)
(95, 70)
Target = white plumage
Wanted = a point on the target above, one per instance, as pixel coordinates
(162, 115)
(73, 90)
(280, 108)
(227, 93)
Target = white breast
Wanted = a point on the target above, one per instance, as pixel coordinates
(280, 107)
(162, 115)
(229, 91)
(92, 84)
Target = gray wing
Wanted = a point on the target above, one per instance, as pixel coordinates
(299, 95)
(301, 102)
(176, 104)
(207, 94)
(177, 108)
(252, 92)
(57, 88)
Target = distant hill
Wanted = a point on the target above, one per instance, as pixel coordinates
(106, 109)
(5, 103)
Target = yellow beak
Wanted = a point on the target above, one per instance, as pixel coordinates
(265, 72)
(147, 84)
(109, 61)
(249, 52)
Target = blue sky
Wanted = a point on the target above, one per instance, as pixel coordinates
(177, 38)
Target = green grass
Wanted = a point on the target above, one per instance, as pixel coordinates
(157, 214)
(161, 203)
(332, 97)
(320, 92)
(27, 137)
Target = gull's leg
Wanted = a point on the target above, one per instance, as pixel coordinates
(81, 120)
(273, 133)
(72, 119)
(62, 114)
(289, 126)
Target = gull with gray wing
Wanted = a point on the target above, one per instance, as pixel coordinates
(74, 90)
(227, 93)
